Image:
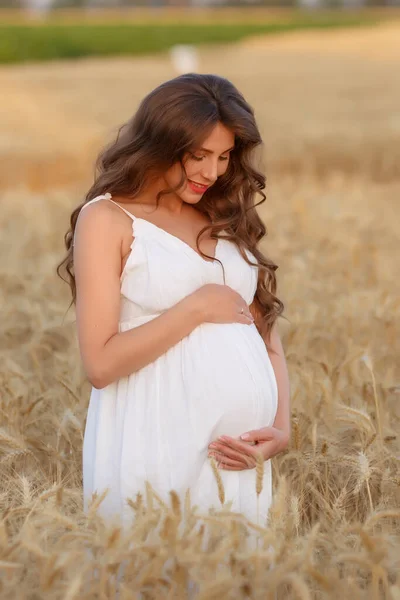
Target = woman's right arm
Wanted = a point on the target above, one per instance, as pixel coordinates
(106, 353)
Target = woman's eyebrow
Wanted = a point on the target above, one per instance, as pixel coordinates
(211, 152)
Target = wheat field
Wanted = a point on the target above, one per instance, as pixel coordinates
(328, 107)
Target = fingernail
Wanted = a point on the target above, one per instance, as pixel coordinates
(212, 446)
(245, 436)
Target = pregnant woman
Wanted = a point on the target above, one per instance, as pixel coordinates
(176, 307)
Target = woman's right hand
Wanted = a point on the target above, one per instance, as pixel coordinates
(219, 303)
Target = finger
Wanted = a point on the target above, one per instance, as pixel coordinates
(227, 468)
(267, 449)
(231, 461)
(243, 447)
(244, 319)
(265, 433)
(224, 450)
(223, 460)
(245, 314)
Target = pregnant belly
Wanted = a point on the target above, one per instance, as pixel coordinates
(158, 421)
(229, 380)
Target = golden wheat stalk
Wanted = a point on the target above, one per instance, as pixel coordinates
(175, 503)
(259, 473)
(259, 483)
(368, 363)
(221, 490)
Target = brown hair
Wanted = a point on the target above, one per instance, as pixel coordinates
(172, 120)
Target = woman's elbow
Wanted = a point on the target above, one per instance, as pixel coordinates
(97, 383)
(97, 377)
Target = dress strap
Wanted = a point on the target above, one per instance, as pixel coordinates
(108, 197)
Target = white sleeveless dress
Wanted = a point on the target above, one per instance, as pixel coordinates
(156, 423)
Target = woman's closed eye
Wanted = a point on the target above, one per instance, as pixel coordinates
(201, 157)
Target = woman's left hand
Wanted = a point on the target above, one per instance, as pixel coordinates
(238, 454)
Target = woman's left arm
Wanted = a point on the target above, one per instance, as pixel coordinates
(278, 361)
(234, 454)
(277, 357)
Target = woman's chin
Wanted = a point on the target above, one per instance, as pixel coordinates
(190, 198)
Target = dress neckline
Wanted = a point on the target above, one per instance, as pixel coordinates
(170, 235)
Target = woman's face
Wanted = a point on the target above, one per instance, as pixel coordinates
(203, 166)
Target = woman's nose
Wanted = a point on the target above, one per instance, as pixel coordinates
(209, 172)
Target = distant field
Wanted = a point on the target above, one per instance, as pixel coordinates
(68, 35)
(199, 15)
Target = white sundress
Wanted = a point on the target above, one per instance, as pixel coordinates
(156, 424)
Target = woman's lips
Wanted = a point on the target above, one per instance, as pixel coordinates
(197, 189)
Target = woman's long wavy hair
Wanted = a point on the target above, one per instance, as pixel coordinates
(171, 121)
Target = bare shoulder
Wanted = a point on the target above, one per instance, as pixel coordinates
(102, 221)
(101, 213)
(97, 267)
